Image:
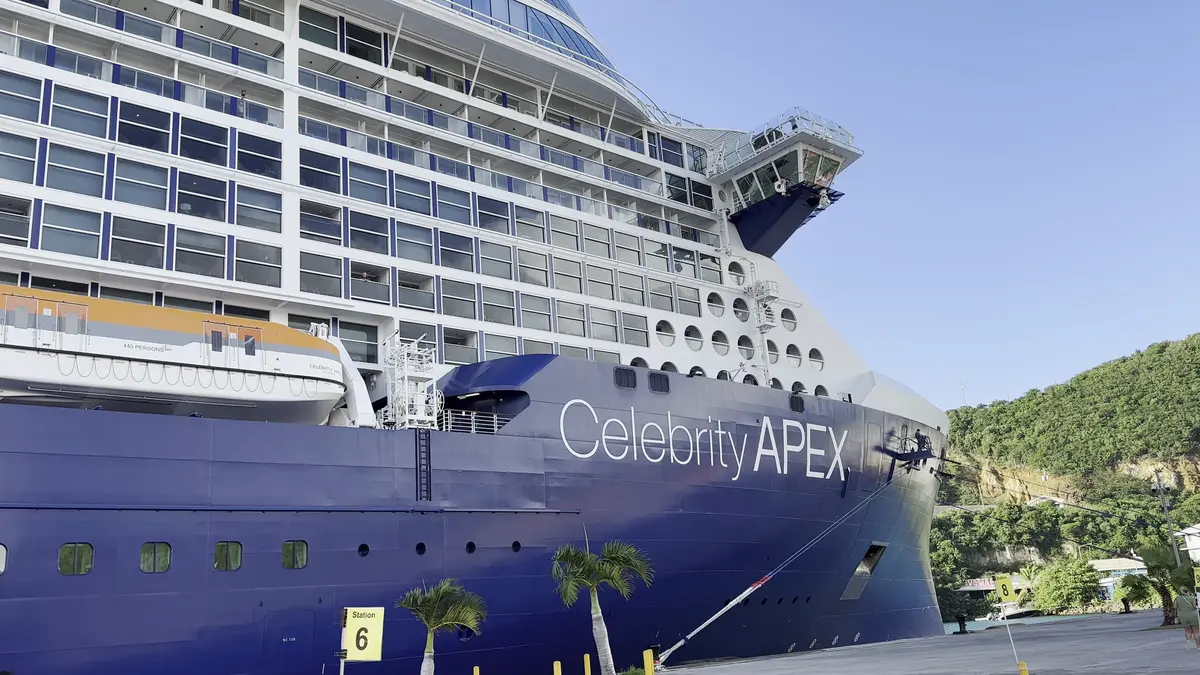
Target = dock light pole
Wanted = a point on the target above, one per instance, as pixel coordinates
(1158, 486)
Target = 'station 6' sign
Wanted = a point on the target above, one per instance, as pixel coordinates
(362, 634)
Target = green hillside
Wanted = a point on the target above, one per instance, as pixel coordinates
(1146, 405)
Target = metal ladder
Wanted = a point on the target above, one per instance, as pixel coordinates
(424, 468)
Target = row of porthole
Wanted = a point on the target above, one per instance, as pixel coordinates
(745, 602)
(78, 558)
(695, 341)
(741, 310)
(696, 371)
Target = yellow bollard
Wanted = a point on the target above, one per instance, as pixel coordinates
(587, 664)
(1022, 669)
(557, 668)
(648, 661)
(475, 670)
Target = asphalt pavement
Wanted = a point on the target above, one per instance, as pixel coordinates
(1108, 644)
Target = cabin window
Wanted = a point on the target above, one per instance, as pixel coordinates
(75, 559)
(625, 378)
(227, 556)
(295, 554)
(216, 339)
(660, 383)
(3, 558)
(156, 557)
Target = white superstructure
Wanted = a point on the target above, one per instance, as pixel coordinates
(499, 189)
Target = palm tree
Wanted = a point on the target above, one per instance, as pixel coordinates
(616, 567)
(1162, 577)
(446, 606)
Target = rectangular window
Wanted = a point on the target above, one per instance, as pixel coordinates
(656, 256)
(20, 96)
(246, 313)
(304, 323)
(572, 318)
(368, 183)
(606, 357)
(319, 28)
(18, 155)
(634, 330)
(685, 261)
(144, 127)
(568, 275)
(629, 248)
(201, 197)
(322, 172)
(458, 299)
(414, 242)
(573, 352)
(361, 341)
(710, 268)
(142, 184)
(531, 268)
(535, 312)
(70, 231)
(295, 555)
(493, 215)
(689, 300)
(498, 346)
(596, 240)
(368, 232)
(139, 297)
(371, 283)
(255, 263)
(320, 222)
(75, 170)
(495, 260)
(138, 243)
(15, 215)
(155, 557)
(672, 151)
(412, 194)
(604, 324)
(677, 188)
(564, 232)
(415, 291)
(227, 556)
(702, 196)
(698, 160)
(423, 334)
(203, 142)
(364, 44)
(454, 205)
(600, 282)
(200, 253)
(537, 347)
(79, 111)
(661, 296)
(633, 288)
(457, 252)
(499, 307)
(261, 156)
(531, 224)
(75, 559)
(259, 209)
(320, 274)
(461, 346)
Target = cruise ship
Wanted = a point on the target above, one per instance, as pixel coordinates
(307, 304)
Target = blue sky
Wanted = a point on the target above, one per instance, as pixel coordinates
(1026, 206)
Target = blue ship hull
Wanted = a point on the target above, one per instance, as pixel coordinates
(494, 508)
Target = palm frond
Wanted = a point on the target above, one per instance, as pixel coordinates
(573, 569)
(628, 557)
(445, 606)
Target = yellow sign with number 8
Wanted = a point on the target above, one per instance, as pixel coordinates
(1004, 588)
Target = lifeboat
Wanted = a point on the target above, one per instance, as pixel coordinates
(68, 350)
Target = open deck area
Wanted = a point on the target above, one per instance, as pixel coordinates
(1098, 645)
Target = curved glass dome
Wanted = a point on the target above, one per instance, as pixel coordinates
(537, 26)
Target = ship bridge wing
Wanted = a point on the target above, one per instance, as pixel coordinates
(509, 374)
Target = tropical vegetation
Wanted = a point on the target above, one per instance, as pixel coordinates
(445, 606)
(618, 566)
(1092, 443)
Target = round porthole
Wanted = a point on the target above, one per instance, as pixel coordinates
(470, 547)
(516, 547)
(363, 550)
(421, 548)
